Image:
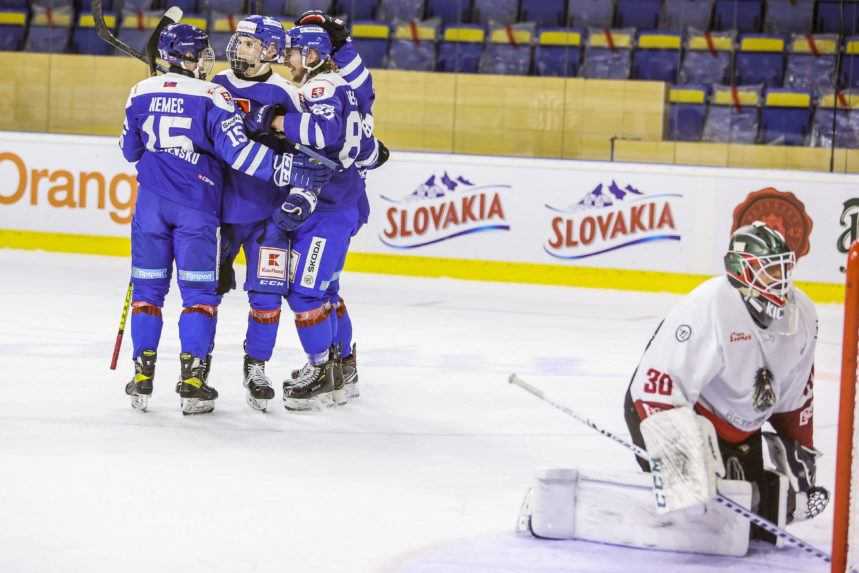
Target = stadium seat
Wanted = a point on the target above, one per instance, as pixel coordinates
(708, 58)
(543, 12)
(357, 9)
(639, 14)
(850, 63)
(461, 48)
(845, 116)
(135, 27)
(496, 12)
(609, 54)
(558, 52)
(223, 26)
(413, 47)
(187, 6)
(85, 38)
(811, 62)
(402, 10)
(829, 21)
(657, 56)
(296, 7)
(449, 11)
(137, 5)
(760, 60)
(52, 4)
(13, 28)
(591, 13)
(734, 115)
(15, 5)
(789, 17)
(274, 8)
(50, 29)
(508, 51)
(739, 15)
(227, 6)
(371, 40)
(687, 110)
(106, 5)
(786, 117)
(680, 15)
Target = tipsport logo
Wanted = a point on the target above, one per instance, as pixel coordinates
(441, 208)
(609, 218)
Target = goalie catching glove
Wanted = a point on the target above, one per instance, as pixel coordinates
(799, 464)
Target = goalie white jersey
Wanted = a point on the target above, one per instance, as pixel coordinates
(709, 354)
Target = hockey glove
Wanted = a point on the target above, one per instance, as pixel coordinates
(295, 210)
(298, 170)
(384, 155)
(335, 27)
(799, 464)
(258, 122)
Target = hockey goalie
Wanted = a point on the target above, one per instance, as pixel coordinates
(722, 401)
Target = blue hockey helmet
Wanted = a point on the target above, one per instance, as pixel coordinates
(183, 44)
(307, 38)
(271, 47)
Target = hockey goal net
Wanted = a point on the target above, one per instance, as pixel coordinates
(845, 531)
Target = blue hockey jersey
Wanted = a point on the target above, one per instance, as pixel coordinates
(247, 199)
(181, 131)
(351, 67)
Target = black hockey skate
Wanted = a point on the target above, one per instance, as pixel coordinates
(349, 368)
(311, 388)
(197, 396)
(257, 384)
(140, 387)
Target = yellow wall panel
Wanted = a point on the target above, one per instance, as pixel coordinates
(710, 154)
(644, 151)
(24, 96)
(755, 156)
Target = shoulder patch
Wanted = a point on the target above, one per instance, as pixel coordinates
(318, 90)
(221, 97)
(683, 333)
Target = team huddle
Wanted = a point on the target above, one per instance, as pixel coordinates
(250, 161)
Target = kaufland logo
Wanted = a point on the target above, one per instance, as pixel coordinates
(441, 208)
(609, 218)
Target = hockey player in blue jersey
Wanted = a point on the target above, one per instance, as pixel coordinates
(321, 225)
(182, 130)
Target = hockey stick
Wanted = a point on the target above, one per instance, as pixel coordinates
(118, 344)
(754, 518)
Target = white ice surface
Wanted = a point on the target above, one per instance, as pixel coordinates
(424, 473)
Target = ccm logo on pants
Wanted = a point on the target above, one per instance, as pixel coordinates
(314, 258)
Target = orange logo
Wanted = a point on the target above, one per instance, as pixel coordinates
(782, 211)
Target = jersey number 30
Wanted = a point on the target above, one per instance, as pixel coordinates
(658, 383)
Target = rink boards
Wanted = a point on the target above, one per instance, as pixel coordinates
(596, 224)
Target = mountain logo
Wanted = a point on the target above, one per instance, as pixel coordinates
(608, 218)
(441, 208)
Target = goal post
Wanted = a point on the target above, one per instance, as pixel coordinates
(845, 529)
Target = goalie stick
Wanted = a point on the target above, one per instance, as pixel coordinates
(727, 502)
(172, 16)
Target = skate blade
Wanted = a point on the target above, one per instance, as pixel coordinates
(523, 521)
(257, 403)
(340, 397)
(191, 406)
(351, 390)
(319, 402)
(140, 402)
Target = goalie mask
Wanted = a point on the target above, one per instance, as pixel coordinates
(187, 50)
(258, 42)
(759, 264)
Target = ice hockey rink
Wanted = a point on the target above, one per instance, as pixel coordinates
(424, 473)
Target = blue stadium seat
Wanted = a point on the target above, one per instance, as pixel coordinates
(53, 4)
(609, 54)
(558, 52)
(640, 14)
(296, 7)
(107, 5)
(371, 40)
(829, 21)
(850, 63)
(13, 28)
(220, 32)
(14, 5)
(811, 62)
(760, 60)
(543, 12)
(786, 117)
(708, 58)
(508, 51)
(187, 6)
(136, 27)
(461, 48)
(50, 29)
(591, 13)
(272, 8)
(357, 9)
(845, 116)
(85, 39)
(226, 6)
(404, 10)
(687, 110)
(734, 115)
(496, 12)
(413, 47)
(680, 15)
(739, 15)
(789, 17)
(449, 11)
(140, 5)
(657, 57)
